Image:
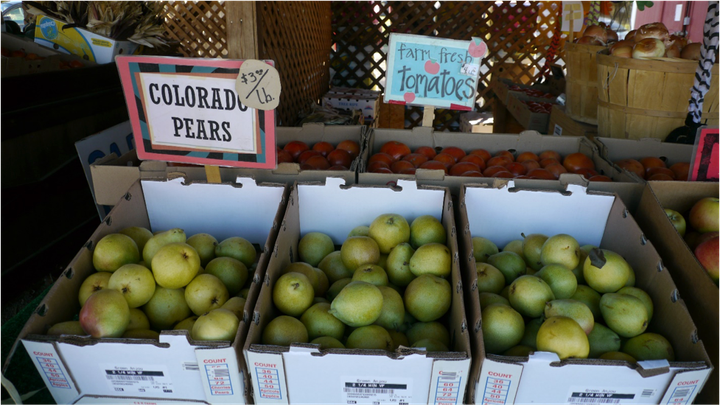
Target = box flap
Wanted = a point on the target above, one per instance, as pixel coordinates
(52, 370)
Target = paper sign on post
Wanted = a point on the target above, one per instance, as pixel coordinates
(187, 110)
(572, 11)
(705, 163)
(258, 85)
(429, 71)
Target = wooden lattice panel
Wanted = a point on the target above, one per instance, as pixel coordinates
(199, 26)
(518, 35)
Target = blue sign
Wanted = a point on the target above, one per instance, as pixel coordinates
(430, 71)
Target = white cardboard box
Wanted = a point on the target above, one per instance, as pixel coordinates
(501, 214)
(176, 369)
(304, 374)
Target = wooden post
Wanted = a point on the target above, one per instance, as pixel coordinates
(428, 116)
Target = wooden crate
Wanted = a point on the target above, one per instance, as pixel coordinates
(648, 98)
(581, 82)
(562, 124)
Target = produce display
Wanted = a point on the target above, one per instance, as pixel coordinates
(322, 155)
(699, 227)
(538, 107)
(531, 92)
(396, 157)
(385, 287)
(149, 282)
(654, 168)
(548, 293)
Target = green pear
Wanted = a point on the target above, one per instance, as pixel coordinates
(428, 297)
(204, 244)
(140, 235)
(426, 229)
(72, 327)
(244, 292)
(145, 334)
(93, 283)
(431, 329)
(528, 295)
(487, 298)
(563, 336)
(319, 322)
(314, 246)
(399, 339)
(408, 322)
(159, 240)
(186, 324)
(433, 259)
(602, 340)
(336, 287)
(624, 314)
(359, 231)
(166, 308)
(135, 282)
(532, 327)
(590, 297)
(510, 263)
(561, 249)
(649, 346)
(238, 248)
(105, 314)
(327, 342)
(606, 271)
(398, 265)
(284, 330)
(113, 251)
(560, 279)
(393, 309)
(618, 356)
(578, 270)
(389, 230)
(371, 274)
(175, 265)
(631, 278)
(235, 304)
(516, 247)
(204, 293)
(230, 271)
(293, 293)
(430, 345)
(489, 278)
(318, 299)
(573, 309)
(215, 325)
(483, 248)
(323, 284)
(642, 295)
(334, 268)
(532, 246)
(356, 251)
(138, 320)
(371, 337)
(503, 328)
(358, 304)
(519, 351)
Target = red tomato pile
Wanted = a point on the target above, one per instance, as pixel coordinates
(322, 155)
(538, 107)
(30, 56)
(531, 92)
(654, 168)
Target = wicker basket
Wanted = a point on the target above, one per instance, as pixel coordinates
(581, 82)
(648, 98)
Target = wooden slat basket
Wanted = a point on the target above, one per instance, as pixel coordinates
(581, 82)
(648, 98)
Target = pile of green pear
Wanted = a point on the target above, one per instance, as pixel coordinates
(145, 283)
(385, 287)
(543, 293)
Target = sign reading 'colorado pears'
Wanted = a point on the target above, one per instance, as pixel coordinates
(433, 71)
(188, 110)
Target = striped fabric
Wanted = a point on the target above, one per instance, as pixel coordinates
(703, 74)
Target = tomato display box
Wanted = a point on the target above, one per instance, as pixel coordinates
(501, 214)
(520, 106)
(111, 176)
(503, 90)
(17, 66)
(304, 374)
(623, 184)
(562, 124)
(176, 368)
(615, 149)
(695, 286)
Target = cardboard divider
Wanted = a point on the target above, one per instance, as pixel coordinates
(181, 368)
(501, 214)
(302, 373)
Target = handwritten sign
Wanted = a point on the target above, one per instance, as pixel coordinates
(705, 163)
(429, 71)
(572, 11)
(188, 110)
(258, 85)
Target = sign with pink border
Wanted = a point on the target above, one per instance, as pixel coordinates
(705, 163)
(431, 71)
(187, 110)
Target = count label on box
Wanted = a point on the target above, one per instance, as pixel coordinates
(188, 110)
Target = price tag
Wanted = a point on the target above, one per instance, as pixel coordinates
(258, 85)
(705, 162)
(470, 69)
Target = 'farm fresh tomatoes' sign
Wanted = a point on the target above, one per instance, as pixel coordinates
(433, 71)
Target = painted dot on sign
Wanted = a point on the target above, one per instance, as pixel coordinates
(409, 97)
(258, 85)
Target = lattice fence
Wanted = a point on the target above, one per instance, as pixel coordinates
(199, 26)
(518, 35)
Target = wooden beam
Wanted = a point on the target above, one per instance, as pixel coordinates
(241, 19)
